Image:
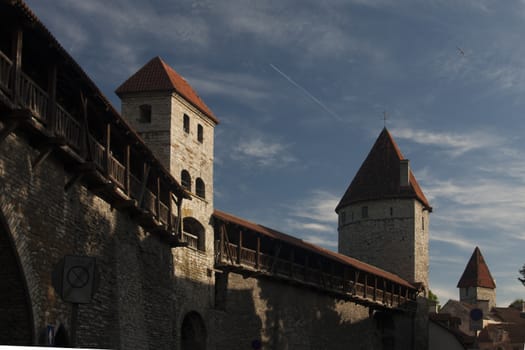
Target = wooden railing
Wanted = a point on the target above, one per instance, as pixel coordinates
(69, 128)
(63, 124)
(192, 240)
(33, 97)
(5, 72)
(229, 254)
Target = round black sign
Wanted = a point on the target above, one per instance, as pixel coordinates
(476, 314)
(78, 276)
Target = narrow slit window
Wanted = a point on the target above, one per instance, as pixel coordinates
(200, 133)
(186, 123)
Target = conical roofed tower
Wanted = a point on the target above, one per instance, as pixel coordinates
(384, 214)
(476, 283)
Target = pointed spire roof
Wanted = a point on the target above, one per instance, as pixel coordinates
(156, 75)
(379, 176)
(476, 273)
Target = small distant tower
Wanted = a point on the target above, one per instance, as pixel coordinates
(476, 285)
(179, 128)
(384, 215)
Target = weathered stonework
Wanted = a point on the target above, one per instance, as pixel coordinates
(393, 236)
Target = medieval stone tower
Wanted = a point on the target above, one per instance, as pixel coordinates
(476, 285)
(384, 215)
(179, 128)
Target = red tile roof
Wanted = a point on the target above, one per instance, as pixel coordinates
(476, 273)
(343, 259)
(379, 176)
(156, 75)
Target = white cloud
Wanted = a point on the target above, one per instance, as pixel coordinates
(318, 206)
(321, 241)
(262, 152)
(452, 239)
(455, 143)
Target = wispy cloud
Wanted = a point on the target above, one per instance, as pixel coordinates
(452, 239)
(455, 143)
(321, 241)
(263, 152)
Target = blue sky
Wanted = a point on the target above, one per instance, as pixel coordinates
(300, 88)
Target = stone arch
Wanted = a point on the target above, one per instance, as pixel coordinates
(194, 233)
(193, 332)
(16, 316)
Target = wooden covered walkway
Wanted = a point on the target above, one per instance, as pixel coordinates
(257, 251)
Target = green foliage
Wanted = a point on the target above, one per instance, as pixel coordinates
(516, 303)
(433, 297)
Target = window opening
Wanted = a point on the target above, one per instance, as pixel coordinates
(185, 180)
(186, 124)
(200, 133)
(200, 189)
(145, 114)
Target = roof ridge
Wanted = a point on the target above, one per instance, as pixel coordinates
(157, 75)
(378, 176)
(477, 273)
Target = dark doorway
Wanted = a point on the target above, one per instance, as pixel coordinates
(193, 332)
(16, 326)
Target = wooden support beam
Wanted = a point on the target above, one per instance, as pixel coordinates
(356, 281)
(52, 99)
(158, 199)
(239, 248)
(144, 184)
(124, 203)
(384, 291)
(365, 293)
(170, 212)
(127, 182)
(41, 157)
(221, 243)
(375, 288)
(107, 145)
(258, 254)
(275, 257)
(86, 147)
(8, 129)
(16, 57)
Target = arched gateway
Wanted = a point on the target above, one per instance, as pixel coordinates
(193, 332)
(16, 326)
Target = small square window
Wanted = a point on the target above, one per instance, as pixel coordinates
(145, 114)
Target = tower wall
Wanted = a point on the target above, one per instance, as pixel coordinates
(473, 295)
(179, 150)
(391, 234)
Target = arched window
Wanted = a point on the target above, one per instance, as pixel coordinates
(193, 332)
(193, 233)
(145, 114)
(200, 189)
(200, 133)
(185, 180)
(186, 123)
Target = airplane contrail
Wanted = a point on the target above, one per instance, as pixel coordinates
(306, 92)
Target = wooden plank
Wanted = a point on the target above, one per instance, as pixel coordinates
(41, 157)
(128, 174)
(86, 149)
(239, 248)
(375, 288)
(107, 145)
(158, 198)
(365, 292)
(258, 254)
(275, 257)
(52, 100)
(16, 57)
(170, 212)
